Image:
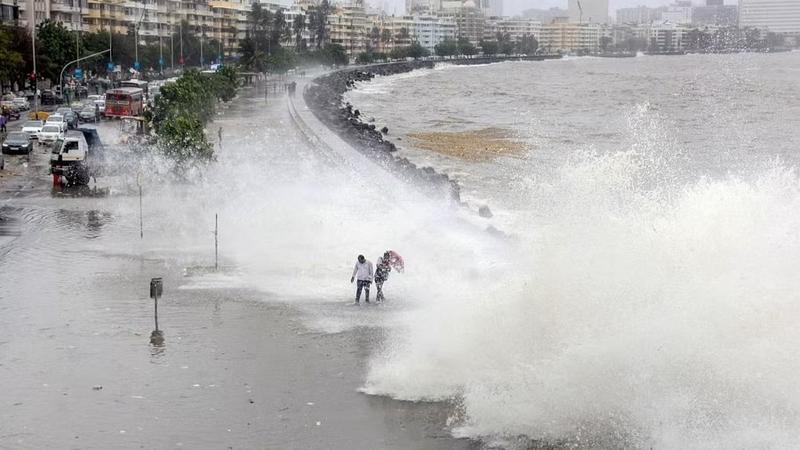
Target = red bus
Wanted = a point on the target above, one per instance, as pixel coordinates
(124, 102)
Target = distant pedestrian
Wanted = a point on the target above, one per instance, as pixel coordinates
(362, 271)
(96, 112)
(382, 269)
(3, 120)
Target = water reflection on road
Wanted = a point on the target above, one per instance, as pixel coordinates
(237, 369)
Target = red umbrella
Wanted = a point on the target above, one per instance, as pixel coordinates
(396, 261)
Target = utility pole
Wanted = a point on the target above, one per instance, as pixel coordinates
(171, 45)
(35, 75)
(202, 34)
(180, 29)
(160, 51)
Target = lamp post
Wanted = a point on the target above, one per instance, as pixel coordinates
(61, 76)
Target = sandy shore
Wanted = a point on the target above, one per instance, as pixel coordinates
(477, 145)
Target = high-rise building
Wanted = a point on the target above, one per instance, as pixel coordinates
(719, 15)
(492, 8)
(778, 16)
(588, 11)
(422, 6)
(680, 12)
(639, 15)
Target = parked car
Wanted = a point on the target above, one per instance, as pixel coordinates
(58, 120)
(72, 119)
(50, 134)
(17, 142)
(32, 127)
(11, 112)
(88, 114)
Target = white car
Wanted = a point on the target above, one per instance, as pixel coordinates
(59, 120)
(50, 134)
(33, 127)
(22, 103)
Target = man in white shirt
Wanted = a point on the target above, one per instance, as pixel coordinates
(362, 271)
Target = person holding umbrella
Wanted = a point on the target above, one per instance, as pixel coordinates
(382, 269)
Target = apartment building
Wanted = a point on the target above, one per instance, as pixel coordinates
(429, 31)
(777, 16)
(515, 27)
(571, 37)
(349, 27)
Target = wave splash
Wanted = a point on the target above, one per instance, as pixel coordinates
(642, 309)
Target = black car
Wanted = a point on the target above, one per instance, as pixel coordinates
(17, 142)
(51, 98)
(71, 118)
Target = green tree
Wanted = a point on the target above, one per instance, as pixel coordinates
(489, 47)
(299, 26)
(465, 47)
(447, 47)
(527, 45)
(56, 48)
(12, 64)
(605, 43)
(403, 35)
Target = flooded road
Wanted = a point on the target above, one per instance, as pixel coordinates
(263, 354)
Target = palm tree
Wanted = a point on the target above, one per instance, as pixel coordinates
(403, 35)
(299, 25)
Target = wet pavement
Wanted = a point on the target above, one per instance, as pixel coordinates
(239, 367)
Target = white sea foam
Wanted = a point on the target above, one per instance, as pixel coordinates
(640, 311)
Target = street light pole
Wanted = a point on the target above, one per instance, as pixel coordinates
(35, 76)
(160, 51)
(171, 46)
(61, 76)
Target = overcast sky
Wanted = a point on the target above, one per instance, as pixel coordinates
(512, 7)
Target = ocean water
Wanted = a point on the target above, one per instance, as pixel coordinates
(649, 299)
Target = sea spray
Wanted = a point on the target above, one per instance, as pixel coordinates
(641, 310)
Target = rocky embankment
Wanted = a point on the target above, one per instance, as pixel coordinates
(325, 98)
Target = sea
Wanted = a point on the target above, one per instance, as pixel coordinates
(649, 298)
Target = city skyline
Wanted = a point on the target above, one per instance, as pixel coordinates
(513, 7)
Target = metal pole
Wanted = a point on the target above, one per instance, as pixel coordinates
(202, 34)
(180, 30)
(155, 312)
(35, 76)
(171, 46)
(136, 43)
(141, 219)
(216, 242)
(160, 50)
